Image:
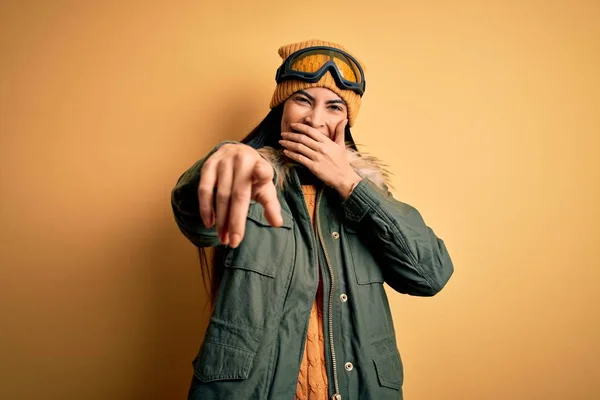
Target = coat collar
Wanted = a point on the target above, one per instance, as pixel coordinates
(365, 165)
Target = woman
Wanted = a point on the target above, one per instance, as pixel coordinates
(305, 233)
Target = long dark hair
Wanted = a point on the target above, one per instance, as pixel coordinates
(265, 134)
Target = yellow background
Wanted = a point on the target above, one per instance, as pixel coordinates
(486, 112)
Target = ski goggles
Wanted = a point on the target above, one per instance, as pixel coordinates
(311, 63)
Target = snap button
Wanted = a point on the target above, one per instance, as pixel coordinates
(343, 297)
(335, 235)
(348, 366)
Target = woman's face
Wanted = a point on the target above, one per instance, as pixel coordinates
(319, 108)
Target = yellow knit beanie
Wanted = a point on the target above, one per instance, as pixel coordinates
(286, 88)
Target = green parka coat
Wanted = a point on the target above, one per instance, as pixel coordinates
(255, 339)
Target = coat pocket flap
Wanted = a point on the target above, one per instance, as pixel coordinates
(218, 361)
(389, 370)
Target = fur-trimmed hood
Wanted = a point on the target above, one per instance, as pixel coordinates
(365, 165)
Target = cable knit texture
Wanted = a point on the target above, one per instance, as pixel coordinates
(312, 379)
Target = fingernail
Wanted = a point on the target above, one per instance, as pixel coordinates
(235, 240)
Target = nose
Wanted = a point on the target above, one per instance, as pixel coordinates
(315, 118)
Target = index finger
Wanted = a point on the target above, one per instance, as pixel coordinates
(240, 201)
(264, 192)
(309, 131)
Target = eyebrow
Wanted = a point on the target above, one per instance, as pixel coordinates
(335, 101)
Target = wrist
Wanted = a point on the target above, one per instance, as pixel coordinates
(347, 185)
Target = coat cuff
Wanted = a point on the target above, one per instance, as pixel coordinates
(363, 198)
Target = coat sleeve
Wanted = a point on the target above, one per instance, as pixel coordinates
(413, 259)
(186, 210)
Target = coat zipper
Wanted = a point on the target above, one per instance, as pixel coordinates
(337, 395)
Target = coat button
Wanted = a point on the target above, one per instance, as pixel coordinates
(343, 297)
(335, 235)
(349, 366)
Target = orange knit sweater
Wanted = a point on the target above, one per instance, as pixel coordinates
(312, 380)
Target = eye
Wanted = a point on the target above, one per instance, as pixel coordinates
(336, 108)
(302, 99)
